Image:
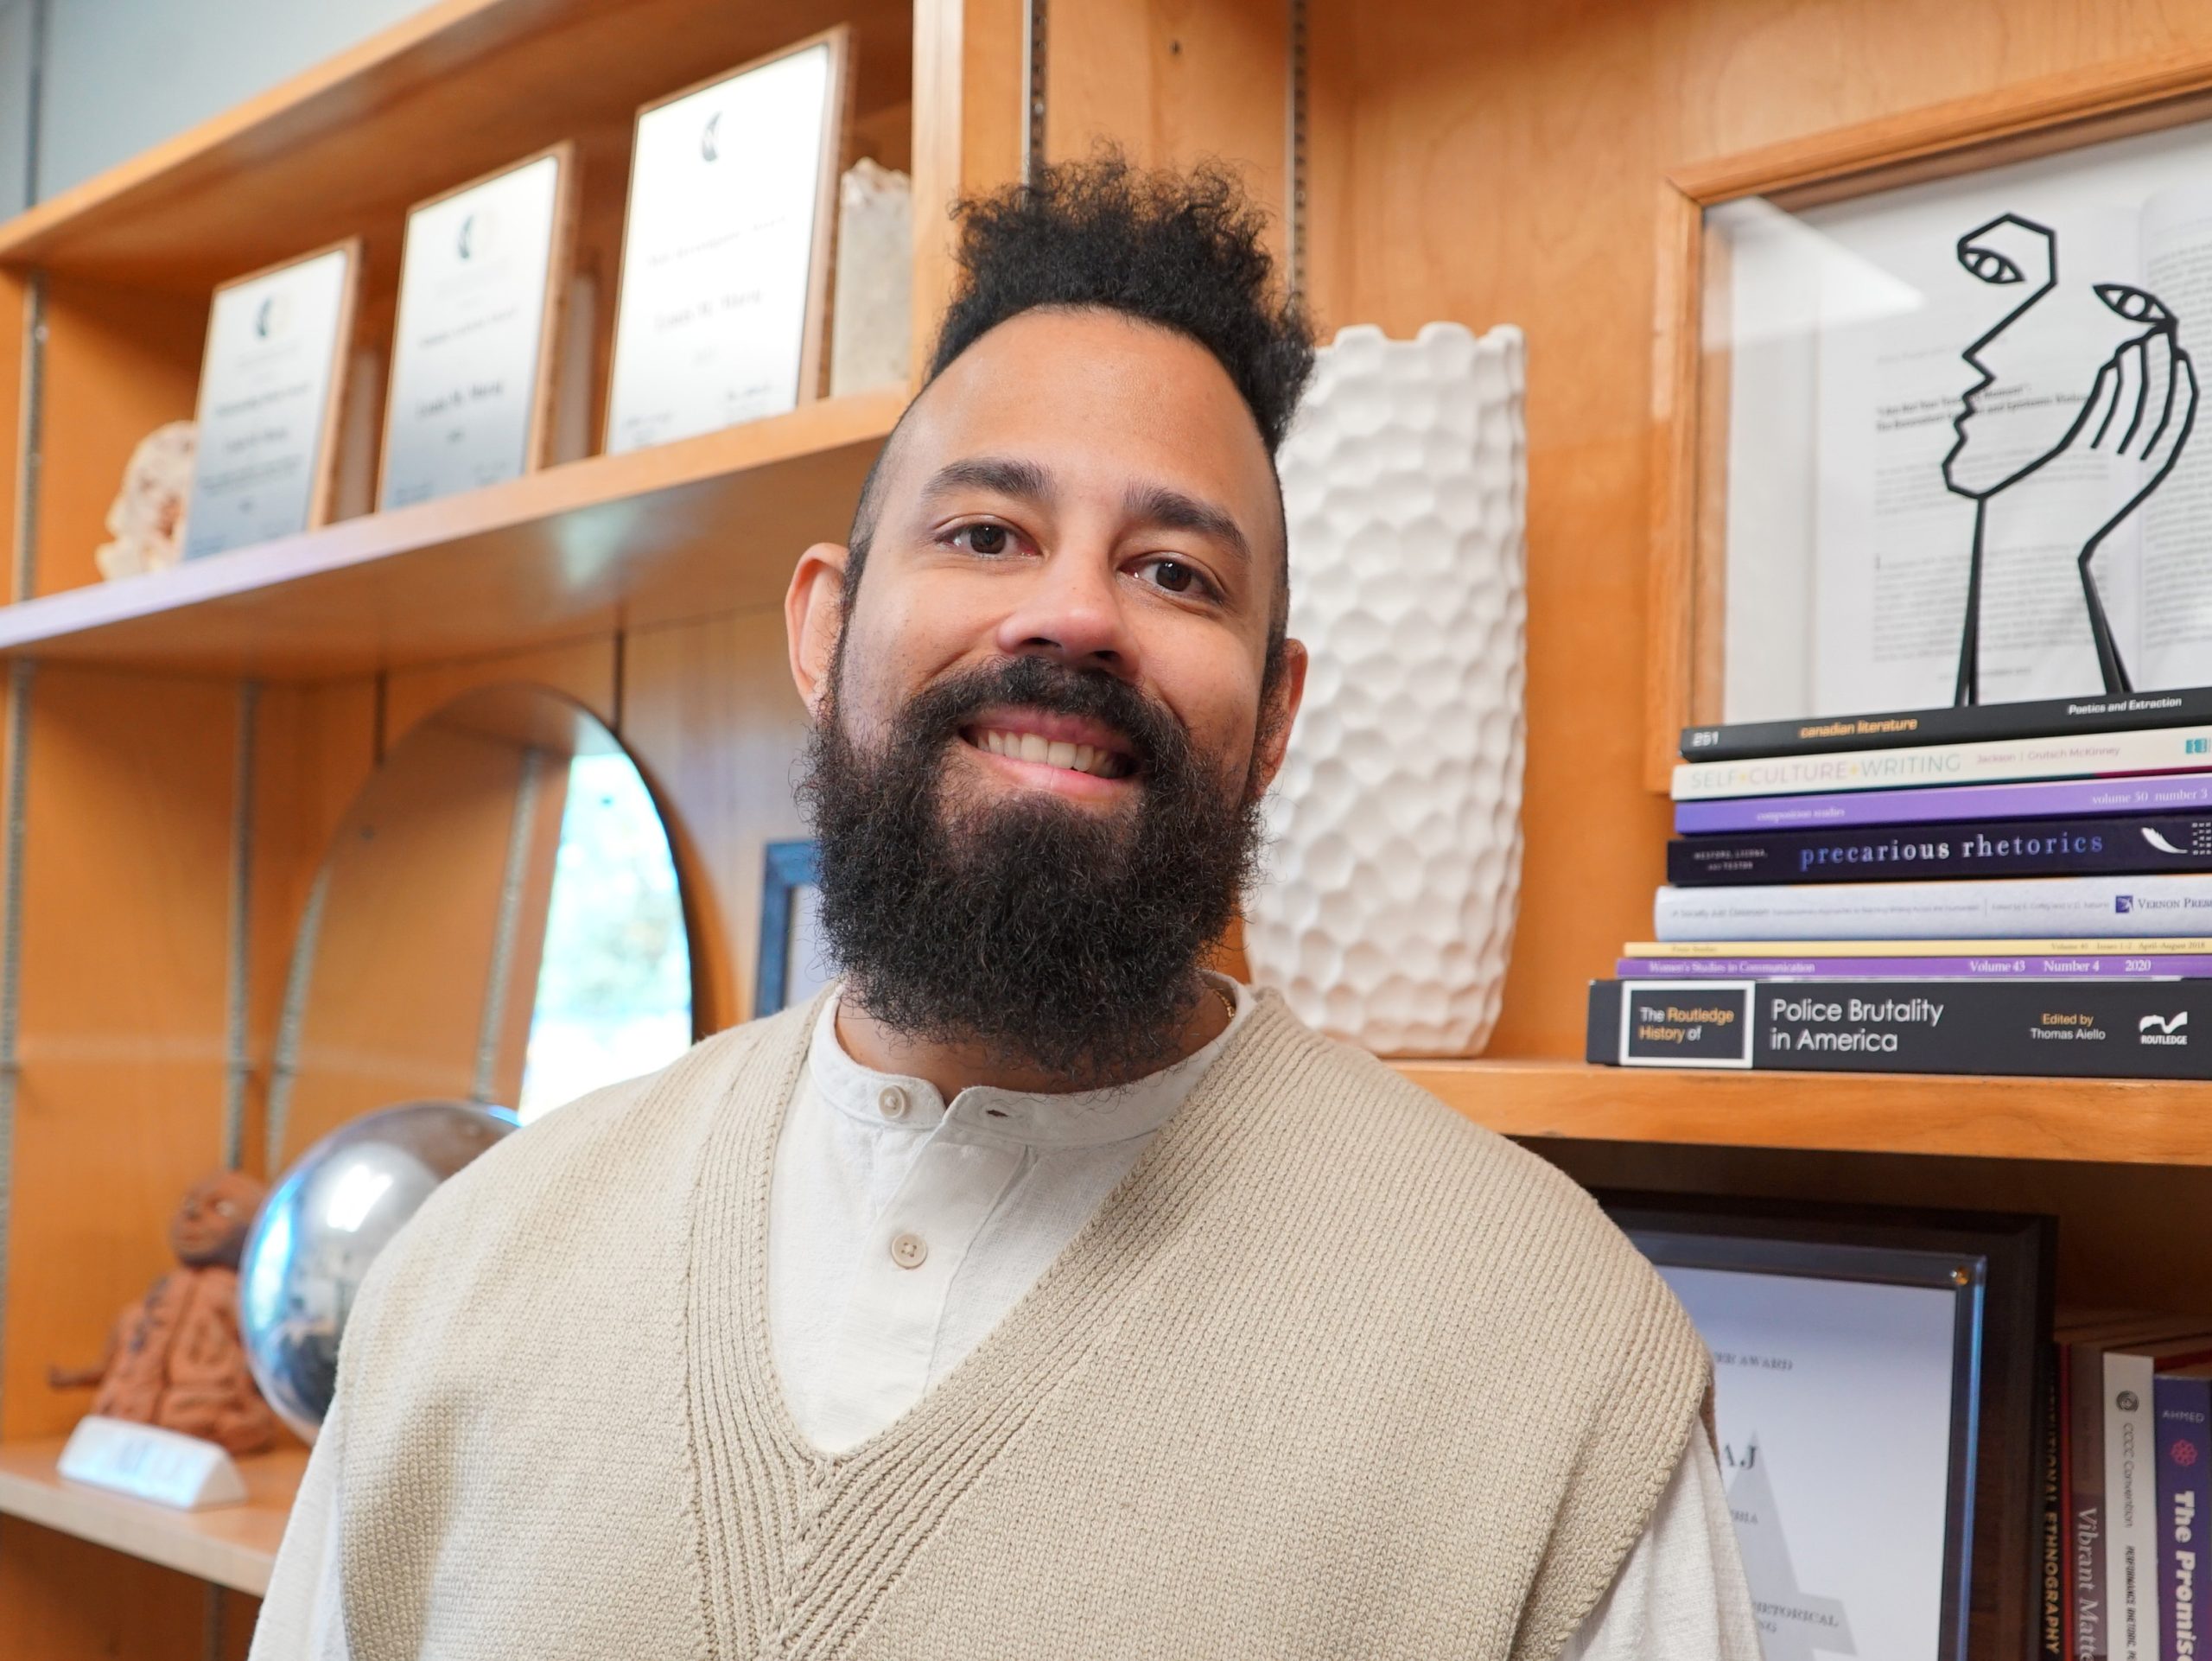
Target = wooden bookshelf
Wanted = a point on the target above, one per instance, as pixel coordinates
(676, 532)
(455, 90)
(2120, 1121)
(230, 1545)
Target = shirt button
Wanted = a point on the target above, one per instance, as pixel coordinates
(908, 1251)
(891, 1102)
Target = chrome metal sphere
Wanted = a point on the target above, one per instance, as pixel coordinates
(336, 1209)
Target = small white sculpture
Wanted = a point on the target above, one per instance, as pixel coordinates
(1395, 858)
(872, 314)
(147, 520)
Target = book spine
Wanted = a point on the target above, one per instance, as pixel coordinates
(2085, 756)
(2184, 1434)
(1973, 848)
(2085, 1465)
(2145, 907)
(2176, 793)
(2131, 1509)
(2050, 1526)
(2196, 945)
(2042, 718)
(1909, 968)
(2060, 1029)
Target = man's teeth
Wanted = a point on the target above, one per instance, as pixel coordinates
(1055, 752)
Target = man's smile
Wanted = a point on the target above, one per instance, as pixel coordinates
(1071, 754)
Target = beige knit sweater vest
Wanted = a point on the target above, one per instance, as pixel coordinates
(1332, 1373)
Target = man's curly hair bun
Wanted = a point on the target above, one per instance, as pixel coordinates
(1182, 250)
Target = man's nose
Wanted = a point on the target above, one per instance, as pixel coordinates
(1070, 610)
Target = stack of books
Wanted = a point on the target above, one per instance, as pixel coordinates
(2021, 888)
(2123, 1571)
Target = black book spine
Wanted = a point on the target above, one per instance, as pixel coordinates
(1972, 723)
(1894, 853)
(2045, 1028)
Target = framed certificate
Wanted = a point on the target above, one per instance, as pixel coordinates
(269, 389)
(1879, 1382)
(725, 249)
(472, 376)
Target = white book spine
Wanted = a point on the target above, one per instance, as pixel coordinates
(2137, 909)
(2078, 756)
(2131, 1509)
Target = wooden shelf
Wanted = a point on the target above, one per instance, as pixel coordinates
(232, 1545)
(688, 530)
(456, 89)
(2113, 1121)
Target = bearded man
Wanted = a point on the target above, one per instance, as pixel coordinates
(1034, 1292)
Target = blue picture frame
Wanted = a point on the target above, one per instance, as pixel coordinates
(788, 867)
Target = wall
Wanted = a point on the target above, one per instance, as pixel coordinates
(118, 76)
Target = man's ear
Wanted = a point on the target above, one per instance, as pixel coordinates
(813, 616)
(1283, 699)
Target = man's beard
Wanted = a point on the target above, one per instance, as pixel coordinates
(1046, 936)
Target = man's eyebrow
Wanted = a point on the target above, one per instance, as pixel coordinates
(1167, 509)
(1002, 476)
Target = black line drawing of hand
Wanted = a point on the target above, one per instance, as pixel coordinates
(2141, 408)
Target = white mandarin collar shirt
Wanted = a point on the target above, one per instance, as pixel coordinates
(901, 1228)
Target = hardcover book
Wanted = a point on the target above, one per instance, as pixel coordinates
(2184, 1398)
(1996, 908)
(2067, 847)
(2067, 1029)
(2040, 718)
(2131, 1371)
(2082, 755)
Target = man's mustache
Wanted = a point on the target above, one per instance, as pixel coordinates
(938, 713)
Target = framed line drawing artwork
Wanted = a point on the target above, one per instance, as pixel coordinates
(1929, 423)
(1880, 1379)
(793, 962)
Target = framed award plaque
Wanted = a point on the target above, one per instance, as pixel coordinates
(472, 359)
(725, 249)
(270, 384)
(1878, 1386)
(1932, 458)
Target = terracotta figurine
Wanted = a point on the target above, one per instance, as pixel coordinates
(175, 1358)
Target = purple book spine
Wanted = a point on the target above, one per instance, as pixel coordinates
(1915, 969)
(2177, 793)
(2185, 1406)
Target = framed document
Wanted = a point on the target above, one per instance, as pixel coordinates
(1878, 1380)
(472, 372)
(268, 390)
(1930, 449)
(725, 249)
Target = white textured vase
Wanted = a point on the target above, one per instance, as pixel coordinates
(1395, 859)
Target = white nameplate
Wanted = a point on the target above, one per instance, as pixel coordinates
(471, 361)
(725, 253)
(269, 388)
(148, 1462)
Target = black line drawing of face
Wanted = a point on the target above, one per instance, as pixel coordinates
(2093, 367)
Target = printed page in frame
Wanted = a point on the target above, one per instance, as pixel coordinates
(725, 258)
(1947, 339)
(472, 372)
(1834, 1405)
(269, 383)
